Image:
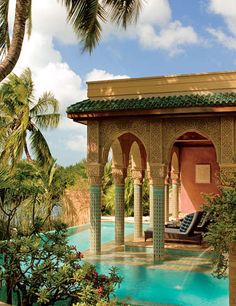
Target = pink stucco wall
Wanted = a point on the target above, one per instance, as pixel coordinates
(191, 198)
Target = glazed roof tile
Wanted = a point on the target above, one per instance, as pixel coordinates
(181, 101)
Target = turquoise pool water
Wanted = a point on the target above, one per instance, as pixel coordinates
(145, 285)
(81, 239)
(148, 284)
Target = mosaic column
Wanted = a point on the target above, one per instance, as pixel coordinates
(151, 205)
(166, 197)
(175, 195)
(156, 180)
(138, 205)
(119, 176)
(95, 175)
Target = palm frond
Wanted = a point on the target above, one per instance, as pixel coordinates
(4, 30)
(13, 147)
(47, 121)
(123, 12)
(46, 103)
(40, 147)
(85, 17)
(26, 81)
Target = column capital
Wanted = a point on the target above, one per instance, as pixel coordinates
(95, 173)
(137, 175)
(119, 174)
(174, 177)
(167, 180)
(157, 173)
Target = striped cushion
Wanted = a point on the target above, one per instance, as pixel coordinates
(186, 222)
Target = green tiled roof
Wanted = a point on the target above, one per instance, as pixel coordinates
(99, 106)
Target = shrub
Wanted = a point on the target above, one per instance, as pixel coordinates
(44, 269)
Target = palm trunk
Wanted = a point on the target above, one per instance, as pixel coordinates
(21, 15)
(27, 153)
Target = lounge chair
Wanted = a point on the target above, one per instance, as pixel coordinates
(184, 233)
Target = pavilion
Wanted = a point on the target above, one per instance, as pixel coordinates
(178, 130)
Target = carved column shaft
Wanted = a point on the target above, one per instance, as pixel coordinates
(138, 207)
(119, 176)
(175, 195)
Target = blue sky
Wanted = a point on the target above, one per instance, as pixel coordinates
(171, 37)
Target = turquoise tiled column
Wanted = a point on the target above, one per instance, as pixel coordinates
(151, 205)
(158, 222)
(119, 214)
(166, 197)
(95, 219)
(156, 175)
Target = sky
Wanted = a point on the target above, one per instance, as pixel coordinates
(171, 37)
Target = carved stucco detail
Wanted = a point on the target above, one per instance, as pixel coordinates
(119, 174)
(157, 174)
(95, 173)
(137, 176)
(112, 129)
(93, 141)
(174, 128)
(227, 172)
(227, 140)
(155, 141)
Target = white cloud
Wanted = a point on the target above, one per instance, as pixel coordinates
(171, 38)
(98, 75)
(157, 12)
(221, 37)
(48, 17)
(227, 10)
(78, 143)
(156, 30)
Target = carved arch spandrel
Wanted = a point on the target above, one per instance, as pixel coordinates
(117, 154)
(110, 130)
(93, 141)
(207, 127)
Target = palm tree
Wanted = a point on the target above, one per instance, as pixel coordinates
(22, 116)
(85, 17)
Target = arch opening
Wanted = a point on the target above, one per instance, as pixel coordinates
(194, 169)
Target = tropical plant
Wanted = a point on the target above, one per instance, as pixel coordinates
(44, 269)
(29, 193)
(108, 193)
(221, 233)
(22, 115)
(85, 17)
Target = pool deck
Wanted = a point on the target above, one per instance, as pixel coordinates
(180, 257)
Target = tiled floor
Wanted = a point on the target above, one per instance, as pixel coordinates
(181, 257)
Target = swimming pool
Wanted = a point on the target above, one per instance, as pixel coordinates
(149, 284)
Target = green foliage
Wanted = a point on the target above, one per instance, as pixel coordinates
(27, 193)
(108, 193)
(21, 116)
(222, 229)
(44, 269)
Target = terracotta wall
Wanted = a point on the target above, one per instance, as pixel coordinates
(191, 198)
